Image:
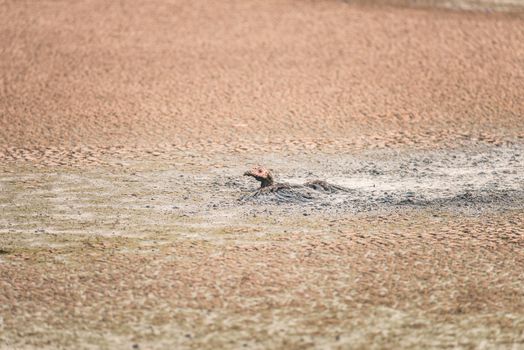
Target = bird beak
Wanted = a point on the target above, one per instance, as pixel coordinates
(247, 173)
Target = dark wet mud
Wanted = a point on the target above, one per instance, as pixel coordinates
(466, 179)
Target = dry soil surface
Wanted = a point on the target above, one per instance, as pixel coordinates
(125, 128)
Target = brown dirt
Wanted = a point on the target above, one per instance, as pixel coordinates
(125, 128)
(245, 75)
(399, 280)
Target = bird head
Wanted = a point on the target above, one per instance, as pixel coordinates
(261, 174)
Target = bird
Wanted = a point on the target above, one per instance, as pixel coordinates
(285, 191)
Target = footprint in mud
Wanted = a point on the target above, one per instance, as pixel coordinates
(283, 192)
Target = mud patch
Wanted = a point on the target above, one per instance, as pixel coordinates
(472, 179)
(175, 195)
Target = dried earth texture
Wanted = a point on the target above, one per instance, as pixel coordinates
(125, 128)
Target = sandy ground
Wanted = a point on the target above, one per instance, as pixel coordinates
(125, 129)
